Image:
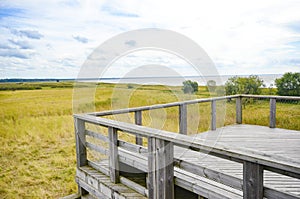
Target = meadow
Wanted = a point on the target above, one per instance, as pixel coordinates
(37, 145)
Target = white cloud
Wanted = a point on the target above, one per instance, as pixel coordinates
(242, 37)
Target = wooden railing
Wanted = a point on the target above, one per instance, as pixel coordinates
(183, 109)
(158, 158)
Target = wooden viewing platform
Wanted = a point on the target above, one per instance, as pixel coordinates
(236, 161)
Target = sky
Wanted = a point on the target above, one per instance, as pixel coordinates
(52, 39)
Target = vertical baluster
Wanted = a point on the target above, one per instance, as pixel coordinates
(183, 119)
(272, 112)
(81, 155)
(213, 124)
(113, 155)
(161, 169)
(239, 110)
(138, 121)
(252, 181)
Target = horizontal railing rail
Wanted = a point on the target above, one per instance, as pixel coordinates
(234, 154)
(183, 127)
(159, 106)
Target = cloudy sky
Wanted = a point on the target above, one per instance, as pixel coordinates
(52, 39)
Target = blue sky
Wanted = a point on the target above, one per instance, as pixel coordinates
(52, 39)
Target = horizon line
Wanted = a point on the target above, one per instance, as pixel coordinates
(136, 77)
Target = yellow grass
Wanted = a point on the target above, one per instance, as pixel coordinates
(37, 146)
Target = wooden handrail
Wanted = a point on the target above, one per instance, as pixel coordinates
(234, 154)
(159, 106)
(202, 100)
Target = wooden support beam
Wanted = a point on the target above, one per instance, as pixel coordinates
(160, 169)
(213, 123)
(138, 121)
(81, 155)
(272, 112)
(253, 183)
(183, 119)
(113, 155)
(239, 110)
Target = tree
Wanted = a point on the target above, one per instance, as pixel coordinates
(189, 86)
(211, 85)
(243, 85)
(288, 84)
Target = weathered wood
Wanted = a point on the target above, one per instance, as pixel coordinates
(217, 176)
(133, 159)
(272, 96)
(275, 194)
(80, 142)
(160, 106)
(135, 186)
(216, 149)
(239, 110)
(161, 170)
(132, 147)
(272, 112)
(97, 148)
(252, 181)
(96, 135)
(183, 119)
(204, 187)
(213, 123)
(113, 155)
(99, 185)
(254, 161)
(138, 120)
(81, 155)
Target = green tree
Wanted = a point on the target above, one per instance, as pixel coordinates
(288, 84)
(211, 85)
(243, 85)
(189, 86)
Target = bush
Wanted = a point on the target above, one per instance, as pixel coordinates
(288, 84)
(243, 85)
(211, 85)
(189, 86)
(130, 86)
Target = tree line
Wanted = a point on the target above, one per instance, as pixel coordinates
(288, 85)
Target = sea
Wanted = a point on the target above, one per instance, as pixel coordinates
(268, 79)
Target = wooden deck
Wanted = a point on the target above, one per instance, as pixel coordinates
(237, 161)
(259, 139)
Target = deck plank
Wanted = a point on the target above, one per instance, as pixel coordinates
(275, 141)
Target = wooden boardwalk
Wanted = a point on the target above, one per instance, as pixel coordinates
(237, 161)
(259, 139)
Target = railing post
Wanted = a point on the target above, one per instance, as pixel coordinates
(138, 121)
(272, 112)
(160, 169)
(239, 110)
(213, 125)
(113, 155)
(183, 119)
(81, 156)
(252, 181)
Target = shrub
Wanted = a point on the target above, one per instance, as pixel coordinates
(189, 86)
(288, 84)
(243, 85)
(211, 85)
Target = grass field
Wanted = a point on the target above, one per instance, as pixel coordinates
(37, 146)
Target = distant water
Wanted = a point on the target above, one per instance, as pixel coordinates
(177, 81)
(171, 81)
